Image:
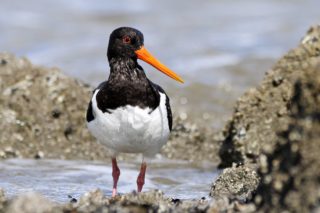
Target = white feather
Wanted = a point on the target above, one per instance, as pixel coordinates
(131, 129)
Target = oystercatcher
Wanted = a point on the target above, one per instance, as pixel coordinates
(128, 112)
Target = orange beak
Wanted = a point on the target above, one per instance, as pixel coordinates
(144, 55)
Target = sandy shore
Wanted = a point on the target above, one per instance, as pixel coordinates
(269, 148)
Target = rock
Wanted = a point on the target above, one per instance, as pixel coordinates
(3, 199)
(39, 155)
(152, 201)
(90, 201)
(30, 203)
(276, 128)
(37, 105)
(95, 201)
(190, 142)
(262, 111)
(290, 174)
(235, 183)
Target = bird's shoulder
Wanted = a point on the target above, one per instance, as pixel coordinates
(111, 95)
(156, 87)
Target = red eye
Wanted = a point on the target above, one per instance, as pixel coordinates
(126, 39)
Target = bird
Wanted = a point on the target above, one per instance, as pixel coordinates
(128, 113)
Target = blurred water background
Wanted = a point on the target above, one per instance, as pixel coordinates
(220, 47)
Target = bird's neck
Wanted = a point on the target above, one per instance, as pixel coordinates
(126, 69)
(129, 85)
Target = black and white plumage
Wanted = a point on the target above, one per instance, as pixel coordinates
(129, 113)
(136, 121)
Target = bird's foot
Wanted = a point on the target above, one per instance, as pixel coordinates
(114, 192)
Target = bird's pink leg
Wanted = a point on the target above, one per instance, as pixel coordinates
(140, 179)
(115, 175)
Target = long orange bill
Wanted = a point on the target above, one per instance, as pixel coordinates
(144, 55)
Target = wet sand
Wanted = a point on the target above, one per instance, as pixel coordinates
(270, 145)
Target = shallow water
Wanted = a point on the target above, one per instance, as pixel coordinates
(221, 48)
(57, 179)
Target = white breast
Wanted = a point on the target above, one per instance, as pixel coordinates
(131, 129)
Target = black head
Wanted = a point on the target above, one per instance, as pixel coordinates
(127, 43)
(123, 43)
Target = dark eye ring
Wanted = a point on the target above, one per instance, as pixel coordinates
(126, 40)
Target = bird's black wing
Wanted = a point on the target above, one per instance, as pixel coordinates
(90, 115)
(157, 89)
